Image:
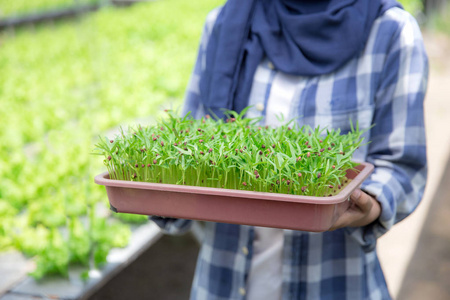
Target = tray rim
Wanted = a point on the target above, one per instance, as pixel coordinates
(103, 179)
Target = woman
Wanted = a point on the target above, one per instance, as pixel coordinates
(323, 63)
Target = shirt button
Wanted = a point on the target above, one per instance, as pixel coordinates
(260, 106)
(270, 65)
(242, 291)
(245, 250)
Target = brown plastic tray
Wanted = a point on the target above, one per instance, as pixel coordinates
(232, 206)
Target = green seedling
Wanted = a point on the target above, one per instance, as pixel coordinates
(233, 154)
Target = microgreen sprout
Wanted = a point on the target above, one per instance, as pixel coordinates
(299, 160)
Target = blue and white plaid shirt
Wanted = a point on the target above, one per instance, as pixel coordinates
(385, 85)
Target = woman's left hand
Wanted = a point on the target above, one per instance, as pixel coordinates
(363, 210)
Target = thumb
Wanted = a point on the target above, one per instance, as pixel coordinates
(361, 200)
(355, 195)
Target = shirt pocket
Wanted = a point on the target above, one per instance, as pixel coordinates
(341, 118)
(345, 119)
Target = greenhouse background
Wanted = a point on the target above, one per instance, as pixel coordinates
(74, 70)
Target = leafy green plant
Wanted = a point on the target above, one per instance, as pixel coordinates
(55, 258)
(20, 7)
(132, 218)
(63, 84)
(236, 154)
